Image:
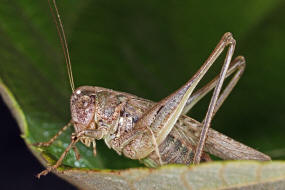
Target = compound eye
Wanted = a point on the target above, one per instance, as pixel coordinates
(83, 109)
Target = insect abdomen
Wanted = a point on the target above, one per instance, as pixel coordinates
(172, 150)
(175, 149)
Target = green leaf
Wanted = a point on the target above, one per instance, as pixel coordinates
(240, 175)
(147, 48)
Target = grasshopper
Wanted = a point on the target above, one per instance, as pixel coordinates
(157, 133)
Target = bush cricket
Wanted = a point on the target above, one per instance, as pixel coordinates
(157, 133)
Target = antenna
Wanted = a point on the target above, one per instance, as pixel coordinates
(60, 31)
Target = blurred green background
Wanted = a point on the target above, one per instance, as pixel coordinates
(148, 48)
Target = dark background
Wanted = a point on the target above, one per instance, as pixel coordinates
(146, 48)
(20, 167)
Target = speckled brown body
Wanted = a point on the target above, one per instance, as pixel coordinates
(158, 133)
(114, 117)
(115, 114)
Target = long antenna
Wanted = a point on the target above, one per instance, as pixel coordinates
(60, 31)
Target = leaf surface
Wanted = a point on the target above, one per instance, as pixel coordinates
(212, 176)
(146, 48)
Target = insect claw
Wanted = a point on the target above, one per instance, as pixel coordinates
(45, 172)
